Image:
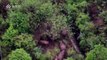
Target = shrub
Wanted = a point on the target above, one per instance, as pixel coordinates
(98, 53)
(82, 6)
(3, 25)
(37, 10)
(39, 54)
(87, 36)
(75, 1)
(73, 10)
(20, 21)
(59, 22)
(41, 8)
(42, 12)
(2, 22)
(19, 54)
(75, 56)
(24, 41)
(83, 22)
(89, 40)
(78, 57)
(46, 9)
(10, 33)
(104, 16)
(29, 6)
(15, 2)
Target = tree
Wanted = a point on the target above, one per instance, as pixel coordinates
(3, 25)
(59, 23)
(19, 54)
(19, 20)
(98, 53)
(103, 14)
(40, 14)
(10, 33)
(83, 22)
(24, 41)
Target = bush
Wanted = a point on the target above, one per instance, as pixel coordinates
(19, 54)
(89, 40)
(59, 23)
(75, 56)
(9, 34)
(42, 12)
(39, 54)
(24, 41)
(98, 53)
(41, 8)
(30, 6)
(46, 9)
(15, 2)
(83, 22)
(87, 36)
(73, 10)
(3, 25)
(104, 16)
(20, 21)
(75, 1)
(37, 10)
(2, 22)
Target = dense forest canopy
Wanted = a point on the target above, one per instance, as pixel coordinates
(53, 29)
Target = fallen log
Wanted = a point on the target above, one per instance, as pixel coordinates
(60, 55)
(62, 52)
(74, 44)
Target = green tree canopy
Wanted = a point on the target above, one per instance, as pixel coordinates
(98, 53)
(19, 54)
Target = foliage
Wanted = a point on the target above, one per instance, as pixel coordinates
(74, 10)
(2, 22)
(77, 17)
(83, 22)
(37, 52)
(69, 58)
(98, 53)
(75, 1)
(74, 55)
(19, 54)
(79, 57)
(89, 40)
(15, 2)
(37, 10)
(20, 21)
(42, 12)
(3, 25)
(104, 16)
(52, 52)
(59, 22)
(24, 41)
(47, 21)
(10, 33)
(45, 10)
